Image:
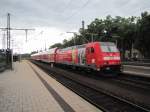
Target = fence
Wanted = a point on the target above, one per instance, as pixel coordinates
(5, 59)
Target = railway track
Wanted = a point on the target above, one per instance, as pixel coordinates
(93, 93)
(136, 81)
(126, 79)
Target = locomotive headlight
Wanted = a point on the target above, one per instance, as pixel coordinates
(111, 58)
(116, 58)
(106, 58)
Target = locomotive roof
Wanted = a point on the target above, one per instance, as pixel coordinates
(83, 45)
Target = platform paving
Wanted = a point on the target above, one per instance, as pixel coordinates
(21, 90)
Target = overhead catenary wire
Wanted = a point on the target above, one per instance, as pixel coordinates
(67, 19)
(68, 4)
(34, 37)
(77, 11)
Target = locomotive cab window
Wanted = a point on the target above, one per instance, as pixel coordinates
(108, 47)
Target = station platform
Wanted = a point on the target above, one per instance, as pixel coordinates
(22, 90)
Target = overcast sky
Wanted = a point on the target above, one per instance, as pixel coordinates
(56, 17)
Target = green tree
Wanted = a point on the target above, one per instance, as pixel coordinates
(59, 45)
(126, 32)
(143, 35)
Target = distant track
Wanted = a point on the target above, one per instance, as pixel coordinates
(136, 81)
(136, 63)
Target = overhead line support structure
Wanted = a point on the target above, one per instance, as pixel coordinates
(8, 29)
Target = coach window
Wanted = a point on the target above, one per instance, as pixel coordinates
(92, 50)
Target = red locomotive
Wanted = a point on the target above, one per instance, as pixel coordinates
(99, 56)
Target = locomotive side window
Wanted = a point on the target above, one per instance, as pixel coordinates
(92, 50)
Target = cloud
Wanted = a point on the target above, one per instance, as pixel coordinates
(67, 13)
(41, 38)
(64, 15)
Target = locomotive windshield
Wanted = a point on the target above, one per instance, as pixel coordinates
(108, 47)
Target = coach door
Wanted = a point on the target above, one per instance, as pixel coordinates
(81, 56)
(90, 55)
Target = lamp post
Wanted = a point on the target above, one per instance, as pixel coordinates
(105, 34)
(104, 31)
